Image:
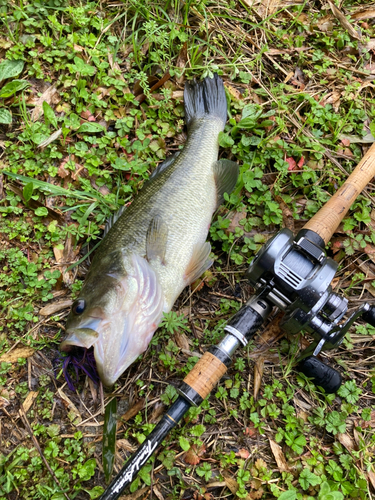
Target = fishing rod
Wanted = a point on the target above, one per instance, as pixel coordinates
(293, 274)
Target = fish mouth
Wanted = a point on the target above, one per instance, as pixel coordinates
(79, 337)
(86, 335)
(109, 345)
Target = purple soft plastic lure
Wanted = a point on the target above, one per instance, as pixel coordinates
(81, 360)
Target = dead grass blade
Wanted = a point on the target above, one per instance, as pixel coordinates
(55, 307)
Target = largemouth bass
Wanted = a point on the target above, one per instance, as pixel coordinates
(156, 246)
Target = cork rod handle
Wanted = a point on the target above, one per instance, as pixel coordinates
(205, 374)
(326, 221)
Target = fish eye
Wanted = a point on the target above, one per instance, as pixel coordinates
(79, 306)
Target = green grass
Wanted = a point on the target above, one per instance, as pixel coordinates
(297, 90)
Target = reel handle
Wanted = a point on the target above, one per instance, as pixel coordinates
(323, 375)
(369, 316)
(326, 221)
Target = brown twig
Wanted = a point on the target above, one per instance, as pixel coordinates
(158, 84)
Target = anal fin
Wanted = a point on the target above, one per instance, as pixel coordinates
(199, 263)
(226, 175)
(156, 239)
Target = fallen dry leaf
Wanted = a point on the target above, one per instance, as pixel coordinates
(266, 7)
(50, 139)
(243, 453)
(288, 219)
(343, 21)
(231, 484)
(292, 163)
(250, 431)
(369, 45)
(258, 374)
(48, 96)
(181, 62)
(178, 94)
(272, 333)
(71, 406)
(256, 494)
(62, 171)
(235, 221)
(357, 437)
(279, 456)
(55, 307)
(370, 251)
(216, 484)
(197, 285)
(158, 410)
(260, 464)
(135, 495)
(325, 23)
(30, 398)
(64, 258)
(124, 444)
(157, 492)
(364, 14)
(303, 415)
(371, 477)
(132, 412)
(369, 423)
(370, 67)
(194, 454)
(4, 402)
(346, 441)
(15, 354)
(233, 91)
(302, 404)
(181, 341)
(332, 98)
(256, 483)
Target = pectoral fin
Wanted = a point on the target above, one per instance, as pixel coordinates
(226, 175)
(156, 239)
(199, 263)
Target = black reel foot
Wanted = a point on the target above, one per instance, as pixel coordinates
(322, 374)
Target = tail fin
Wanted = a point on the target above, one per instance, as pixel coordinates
(205, 99)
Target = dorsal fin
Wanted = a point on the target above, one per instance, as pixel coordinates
(226, 175)
(112, 219)
(162, 166)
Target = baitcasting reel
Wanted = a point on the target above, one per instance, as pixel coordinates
(294, 274)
